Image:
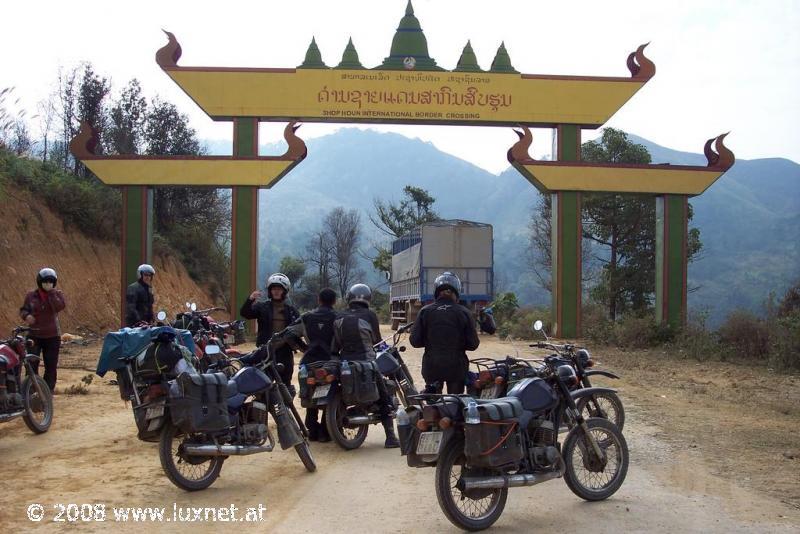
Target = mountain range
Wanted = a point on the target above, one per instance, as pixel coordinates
(749, 220)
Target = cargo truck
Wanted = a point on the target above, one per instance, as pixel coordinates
(464, 248)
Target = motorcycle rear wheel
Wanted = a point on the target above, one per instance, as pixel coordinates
(194, 475)
(304, 452)
(38, 414)
(461, 510)
(605, 405)
(584, 475)
(346, 437)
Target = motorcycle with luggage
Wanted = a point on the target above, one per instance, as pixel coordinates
(26, 396)
(482, 447)
(349, 390)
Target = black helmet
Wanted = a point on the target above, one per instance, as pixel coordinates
(359, 293)
(145, 269)
(446, 280)
(46, 275)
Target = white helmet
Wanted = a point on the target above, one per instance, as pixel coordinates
(145, 269)
(279, 279)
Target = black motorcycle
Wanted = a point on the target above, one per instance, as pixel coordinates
(199, 420)
(349, 390)
(482, 447)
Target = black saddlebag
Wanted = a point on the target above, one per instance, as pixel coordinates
(361, 387)
(157, 359)
(495, 442)
(198, 402)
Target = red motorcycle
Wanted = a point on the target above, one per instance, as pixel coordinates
(28, 397)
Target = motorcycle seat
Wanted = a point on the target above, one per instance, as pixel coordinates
(500, 409)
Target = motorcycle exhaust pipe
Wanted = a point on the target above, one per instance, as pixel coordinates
(9, 416)
(358, 420)
(506, 481)
(227, 450)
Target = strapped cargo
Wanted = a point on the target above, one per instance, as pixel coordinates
(198, 402)
(495, 441)
(361, 385)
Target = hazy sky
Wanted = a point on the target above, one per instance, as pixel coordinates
(724, 65)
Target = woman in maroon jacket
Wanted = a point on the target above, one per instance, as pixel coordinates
(40, 311)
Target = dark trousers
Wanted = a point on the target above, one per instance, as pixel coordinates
(454, 387)
(287, 359)
(48, 348)
(314, 424)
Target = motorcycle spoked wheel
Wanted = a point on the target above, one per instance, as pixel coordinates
(476, 510)
(191, 473)
(606, 405)
(346, 437)
(38, 414)
(304, 452)
(587, 476)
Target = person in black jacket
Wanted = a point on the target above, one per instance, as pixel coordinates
(356, 330)
(447, 330)
(273, 315)
(139, 297)
(316, 327)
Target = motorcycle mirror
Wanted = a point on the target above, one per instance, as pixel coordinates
(188, 305)
(537, 325)
(212, 349)
(193, 306)
(161, 315)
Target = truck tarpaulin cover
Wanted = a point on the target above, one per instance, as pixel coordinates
(128, 342)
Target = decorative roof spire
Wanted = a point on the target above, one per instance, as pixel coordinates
(350, 58)
(468, 62)
(409, 46)
(502, 63)
(313, 57)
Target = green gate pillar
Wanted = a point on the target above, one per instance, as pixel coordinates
(671, 238)
(566, 230)
(244, 221)
(137, 236)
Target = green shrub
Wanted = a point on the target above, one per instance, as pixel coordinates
(696, 341)
(519, 324)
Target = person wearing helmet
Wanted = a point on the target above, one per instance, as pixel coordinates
(446, 330)
(355, 331)
(139, 297)
(273, 314)
(40, 312)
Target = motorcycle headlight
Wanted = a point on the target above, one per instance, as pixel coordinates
(567, 374)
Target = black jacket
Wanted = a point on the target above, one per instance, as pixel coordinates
(316, 327)
(138, 303)
(261, 310)
(356, 330)
(447, 331)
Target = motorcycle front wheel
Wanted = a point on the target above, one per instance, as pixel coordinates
(38, 414)
(304, 452)
(473, 510)
(606, 405)
(346, 437)
(589, 477)
(191, 473)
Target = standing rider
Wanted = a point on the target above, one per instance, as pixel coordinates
(356, 330)
(273, 315)
(447, 330)
(40, 312)
(139, 297)
(316, 327)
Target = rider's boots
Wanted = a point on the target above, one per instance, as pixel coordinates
(391, 439)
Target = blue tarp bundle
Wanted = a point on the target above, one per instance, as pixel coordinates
(128, 342)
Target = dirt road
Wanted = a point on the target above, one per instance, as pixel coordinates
(91, 456)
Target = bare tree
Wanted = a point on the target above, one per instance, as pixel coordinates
(47, 114)
(67, 111)
(319, 253)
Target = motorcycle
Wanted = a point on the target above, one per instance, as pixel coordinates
(348, 418)
(482, 447)
(200, 420)
(29, 397)
(497, 376)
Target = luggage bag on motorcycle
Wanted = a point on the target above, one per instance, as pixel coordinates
(198, 402)
(495, 441)
(157, 359)
(361, 386)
